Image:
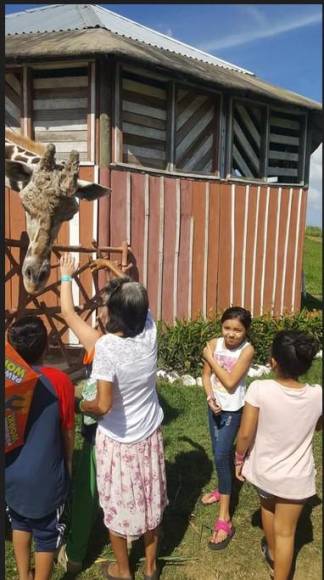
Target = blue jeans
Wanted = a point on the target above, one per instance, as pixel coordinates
(223, 429)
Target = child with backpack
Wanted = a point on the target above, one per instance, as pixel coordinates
(274, 444)
(37, 474)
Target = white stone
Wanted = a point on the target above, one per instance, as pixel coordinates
(172, 376)
(259, 370)
(188, 380)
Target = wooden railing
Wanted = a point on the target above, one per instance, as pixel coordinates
(51, 314)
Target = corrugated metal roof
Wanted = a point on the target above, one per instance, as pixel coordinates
(87, 43)
(61, 17)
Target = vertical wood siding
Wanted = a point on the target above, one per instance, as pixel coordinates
(13, 100)
(198, 246)
(206, 245)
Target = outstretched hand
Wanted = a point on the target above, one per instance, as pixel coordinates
(68, 264)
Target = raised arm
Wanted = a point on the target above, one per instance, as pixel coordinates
(230, 380)
(87, 335)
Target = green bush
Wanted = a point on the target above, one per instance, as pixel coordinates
(181, 344)
(314, 231)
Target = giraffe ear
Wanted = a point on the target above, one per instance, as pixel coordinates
(18, 174)
(90, 191)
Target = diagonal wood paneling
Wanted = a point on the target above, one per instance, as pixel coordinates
(196, 131)
(13, 100)
(247, 140)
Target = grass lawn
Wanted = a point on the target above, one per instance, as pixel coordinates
(312, 265)
(187, 523)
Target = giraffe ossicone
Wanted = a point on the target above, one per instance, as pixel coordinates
(48, 192)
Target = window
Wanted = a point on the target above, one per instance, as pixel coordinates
(286, 147)
(248, 134)
(267, 143)
(144, 121)
(13, 100)
(60, 109)
(196, 131)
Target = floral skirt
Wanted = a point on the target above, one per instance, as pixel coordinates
(131, 483)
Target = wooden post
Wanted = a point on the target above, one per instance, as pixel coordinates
(105, 97)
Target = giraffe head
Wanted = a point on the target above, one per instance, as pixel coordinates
(48, 192)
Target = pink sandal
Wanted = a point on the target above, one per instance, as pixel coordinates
(214, 497)
(228, 528)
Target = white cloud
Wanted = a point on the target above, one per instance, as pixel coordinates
(315, 194)
(261, 28)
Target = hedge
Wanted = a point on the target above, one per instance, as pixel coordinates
(180, 345)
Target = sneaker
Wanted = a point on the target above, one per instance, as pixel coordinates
(69, 566)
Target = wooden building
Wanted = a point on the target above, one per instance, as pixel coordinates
(208, 164)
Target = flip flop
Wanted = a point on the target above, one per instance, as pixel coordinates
(214, 497)
(108, 576)
(226, 527)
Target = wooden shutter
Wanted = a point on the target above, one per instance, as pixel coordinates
(196, 131)
(248, 132)
(144, 120)
(60, 109)
(13, 100)
(286, 147)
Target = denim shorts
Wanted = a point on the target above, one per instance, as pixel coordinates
(47, 532)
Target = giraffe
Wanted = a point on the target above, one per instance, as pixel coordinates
(48, 192)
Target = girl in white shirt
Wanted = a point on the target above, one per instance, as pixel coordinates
(274, 444)
(227, 361)
(129, 447)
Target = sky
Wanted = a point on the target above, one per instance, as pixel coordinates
(281, 43)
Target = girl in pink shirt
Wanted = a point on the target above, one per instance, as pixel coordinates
(274, 444)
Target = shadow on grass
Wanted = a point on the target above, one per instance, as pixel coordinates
(304, 531)
(309, 302)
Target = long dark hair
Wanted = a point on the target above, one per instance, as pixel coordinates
(127, 304)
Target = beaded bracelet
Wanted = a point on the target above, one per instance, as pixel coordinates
(80, 407)
(66, 278)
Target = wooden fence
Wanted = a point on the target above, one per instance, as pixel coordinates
(90, 285)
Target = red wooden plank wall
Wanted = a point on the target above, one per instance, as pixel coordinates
(198, 246)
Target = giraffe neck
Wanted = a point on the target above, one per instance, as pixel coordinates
(26, 144)
(17, 153)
